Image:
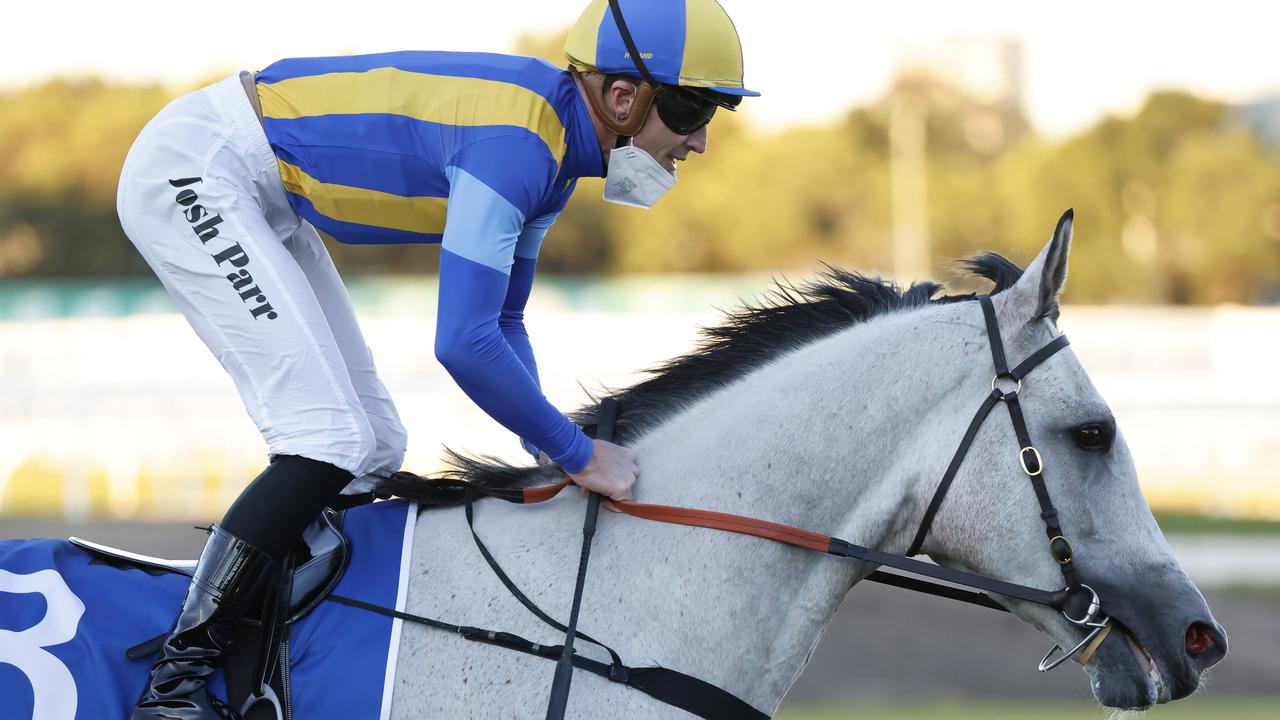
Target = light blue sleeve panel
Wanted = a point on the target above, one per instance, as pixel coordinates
(481, 225)
(495, 187)
(530, 241)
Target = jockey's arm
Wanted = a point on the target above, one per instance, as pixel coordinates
(486, 267)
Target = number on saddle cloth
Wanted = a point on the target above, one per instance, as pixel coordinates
(53, 688)
(64, 607)
(60, 613)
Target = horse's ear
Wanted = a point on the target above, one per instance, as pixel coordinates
(1041, 283)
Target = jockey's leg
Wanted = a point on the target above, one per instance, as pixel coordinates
(200, 197)
(390, 437)
(273, 511)
(242, 552)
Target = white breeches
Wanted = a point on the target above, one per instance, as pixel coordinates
(201, 198)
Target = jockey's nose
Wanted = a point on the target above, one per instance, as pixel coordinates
(697, 141)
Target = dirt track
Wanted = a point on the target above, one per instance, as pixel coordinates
(884, 644)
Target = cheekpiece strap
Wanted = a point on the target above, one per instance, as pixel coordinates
(993, 335)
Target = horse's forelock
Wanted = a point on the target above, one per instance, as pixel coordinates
(994, 267)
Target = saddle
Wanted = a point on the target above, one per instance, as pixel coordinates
(257, 667)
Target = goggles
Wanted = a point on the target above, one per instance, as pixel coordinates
(687, 110)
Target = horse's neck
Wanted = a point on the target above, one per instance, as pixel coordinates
(821, 439)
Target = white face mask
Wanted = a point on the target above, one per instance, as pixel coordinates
(634, 178)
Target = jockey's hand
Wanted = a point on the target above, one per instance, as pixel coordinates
(611, 472)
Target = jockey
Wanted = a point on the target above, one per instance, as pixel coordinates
(228, 191)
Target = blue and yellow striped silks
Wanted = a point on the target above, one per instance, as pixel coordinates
(364, 142)
(682, 42)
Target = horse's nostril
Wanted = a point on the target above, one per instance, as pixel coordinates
(1199, 639)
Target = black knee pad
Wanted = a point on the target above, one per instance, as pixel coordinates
(278, 505)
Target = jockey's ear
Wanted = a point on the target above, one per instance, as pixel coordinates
(620, 95)
(1035, 296)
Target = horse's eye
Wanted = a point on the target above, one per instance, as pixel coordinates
(1094, 437)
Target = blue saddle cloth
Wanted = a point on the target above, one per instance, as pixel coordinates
(66, 621)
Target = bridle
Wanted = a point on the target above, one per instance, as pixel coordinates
(1092, 619)
(1078, 603)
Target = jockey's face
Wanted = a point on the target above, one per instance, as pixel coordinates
(665, 145)
(654, 137)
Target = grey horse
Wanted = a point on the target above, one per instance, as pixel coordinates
(834, 407)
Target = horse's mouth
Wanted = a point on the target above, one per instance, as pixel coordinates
(1157, 692)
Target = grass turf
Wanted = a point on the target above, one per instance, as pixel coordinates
(1195, 708)
(1179, 523)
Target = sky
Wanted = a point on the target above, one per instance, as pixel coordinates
(811, 59)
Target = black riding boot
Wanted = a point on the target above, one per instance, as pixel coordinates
(229, 571)
(257, 533)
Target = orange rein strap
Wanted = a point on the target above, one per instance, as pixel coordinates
(724, 521)
(809, 540)
(542, 493)
(695, 518)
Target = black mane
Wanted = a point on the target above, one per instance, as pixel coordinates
(789, 317)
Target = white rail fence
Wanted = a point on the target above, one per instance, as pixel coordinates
(128, 415)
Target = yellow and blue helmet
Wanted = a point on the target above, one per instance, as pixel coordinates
(686, 43)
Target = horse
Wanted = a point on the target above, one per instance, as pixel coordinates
(832, 406)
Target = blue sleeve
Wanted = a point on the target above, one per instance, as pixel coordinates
(511, 321)
(493, 187)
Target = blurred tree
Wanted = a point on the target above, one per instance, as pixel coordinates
(1178, 203)
(548, 46)
(71, 133)
(62, 144)
(1172, 204)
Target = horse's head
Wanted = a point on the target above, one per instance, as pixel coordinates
(990, 521)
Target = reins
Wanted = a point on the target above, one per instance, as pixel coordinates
(809, 540)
